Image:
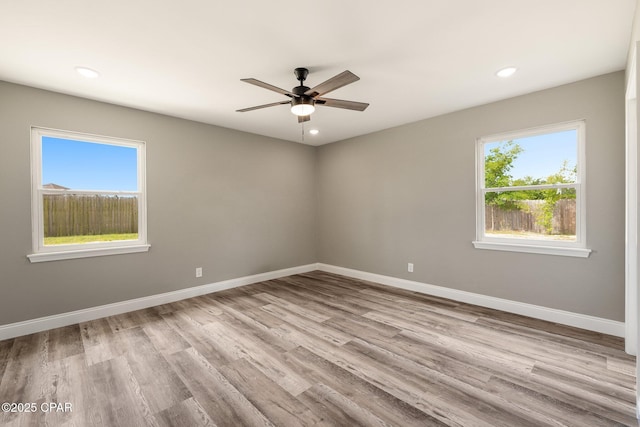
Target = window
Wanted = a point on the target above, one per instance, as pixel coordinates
(88, 195)
(530, 191)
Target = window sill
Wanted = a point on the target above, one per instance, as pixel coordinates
(534, 249)
(87, 253)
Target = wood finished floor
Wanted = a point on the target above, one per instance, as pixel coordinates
(319, 349)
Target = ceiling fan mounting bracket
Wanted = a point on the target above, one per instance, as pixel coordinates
(301, 74)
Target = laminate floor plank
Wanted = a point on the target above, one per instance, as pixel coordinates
(222, 402)
(240, 301)
(561, 335)
(25, 379)
(329, 282)
(72, 385)
(132, 319)
(159, 384)
(318, 287)
(338, 408)
(361, 327)
(564, 413)
(100, 342)
(587, 362)
(199, 339)
(286, 303)
(259, 316)
(5, 350)
(494, 354)
(389, 408)
(94, 332)
(205, 303)
(256, 329)
(25, 376)
(589, 392)
(164, 338)
(165, 308)
(320, 330)
(432, 357)
(187, 413)
(319, 349)
(626, 367)
(411, 297)
(320, 302)
(121, 400)
(267, 396)
(198, 310)
(264, 359)
(65, 342)
(439, 308)
(607, 341)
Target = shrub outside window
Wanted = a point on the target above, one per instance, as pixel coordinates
(530, 193)
(88, 195)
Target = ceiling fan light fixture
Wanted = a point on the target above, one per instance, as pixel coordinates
(302, 106)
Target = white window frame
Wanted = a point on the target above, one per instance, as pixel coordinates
(43, 253)
(575, 248)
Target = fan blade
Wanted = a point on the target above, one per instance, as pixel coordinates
(303, 119)
(339, 103)
(257, 107)
(270, 87)
(335, 82)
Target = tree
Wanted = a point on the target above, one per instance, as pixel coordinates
(497, 165)
(551, 197)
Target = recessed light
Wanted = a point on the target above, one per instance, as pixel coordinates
(87, 72)
(506, 72)
(314, 131)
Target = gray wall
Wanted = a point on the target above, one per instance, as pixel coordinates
(233, 203)
(238, 204)
(407, 194)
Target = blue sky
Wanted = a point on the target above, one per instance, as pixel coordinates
(543, 155)
(83, 165)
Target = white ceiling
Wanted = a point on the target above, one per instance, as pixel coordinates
(416, 58)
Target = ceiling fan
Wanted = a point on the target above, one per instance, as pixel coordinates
(304, 99)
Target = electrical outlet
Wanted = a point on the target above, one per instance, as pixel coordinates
(410, 267)
(199, 272)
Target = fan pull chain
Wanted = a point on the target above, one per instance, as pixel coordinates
(302, 131)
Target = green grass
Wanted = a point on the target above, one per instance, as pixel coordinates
(70, 240)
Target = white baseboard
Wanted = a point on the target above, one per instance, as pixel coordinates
(27, 327)
(577, 320)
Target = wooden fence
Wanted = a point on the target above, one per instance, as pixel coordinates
(81, 215)
(564, 217)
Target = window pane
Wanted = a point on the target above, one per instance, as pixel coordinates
(73, 218)
(542, 159)
(532, 214)
(81, 165)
